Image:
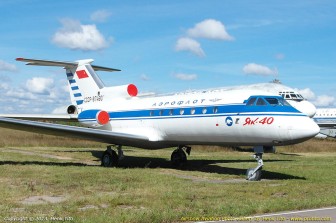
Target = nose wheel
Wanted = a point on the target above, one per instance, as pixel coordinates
(254, 174)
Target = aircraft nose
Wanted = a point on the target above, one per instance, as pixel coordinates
(305, 129)
(306, 108)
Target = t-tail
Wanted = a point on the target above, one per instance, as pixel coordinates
(85, 87)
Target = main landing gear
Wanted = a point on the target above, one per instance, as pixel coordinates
(110, 158)
(179, 157)
(254, 174)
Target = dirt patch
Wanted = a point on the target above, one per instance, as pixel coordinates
(43, 200)
(87, 207)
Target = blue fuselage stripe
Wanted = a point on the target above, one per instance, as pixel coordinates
(194, 112)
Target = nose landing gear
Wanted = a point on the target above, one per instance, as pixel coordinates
(254, 174)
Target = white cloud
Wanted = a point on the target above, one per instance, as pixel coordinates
(37, 94)
(209, 29)
(185, 77)
(320, 100)
(188, 44)
(75, 36)
(19, 94)
(307, 93)
(60, 110)
(324, 101)
(257, 69)
(40, 85)
(4, 66)
(100, 15)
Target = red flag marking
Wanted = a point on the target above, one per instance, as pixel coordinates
(82, 74)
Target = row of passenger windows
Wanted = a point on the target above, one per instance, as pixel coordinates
(332, 115)
(183, 111)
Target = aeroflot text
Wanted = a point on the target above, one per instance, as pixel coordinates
(188, 102)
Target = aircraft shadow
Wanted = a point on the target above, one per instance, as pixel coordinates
(207, 166)
(8, 162)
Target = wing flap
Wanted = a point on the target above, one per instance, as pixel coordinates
(75, 132)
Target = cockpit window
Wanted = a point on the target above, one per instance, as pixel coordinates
(251, 101)
(293, 96)
(261, 102)
(267, 100)
(272, 101)
(277, 101)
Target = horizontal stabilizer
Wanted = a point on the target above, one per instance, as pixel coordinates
(64, 64)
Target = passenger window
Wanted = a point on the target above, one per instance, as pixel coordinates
(161, 112)
(215, 110)
(181, 111)
(287, 96)
(192, 111)
(251, 101)
(171, 111)
(151, 113)
(204, 110)
(261, 101)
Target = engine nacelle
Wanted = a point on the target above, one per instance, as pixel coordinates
(123, 91)
(94, 117)
(72, 109)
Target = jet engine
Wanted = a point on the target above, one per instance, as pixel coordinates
(94, 117)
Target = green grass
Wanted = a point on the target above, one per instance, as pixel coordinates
(146, 189)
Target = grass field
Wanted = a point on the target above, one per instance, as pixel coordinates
(45, 178)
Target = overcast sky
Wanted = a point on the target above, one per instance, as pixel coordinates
(167, 46)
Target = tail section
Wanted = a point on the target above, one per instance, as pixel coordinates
(84, 84)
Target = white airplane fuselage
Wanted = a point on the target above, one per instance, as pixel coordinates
(210, 117)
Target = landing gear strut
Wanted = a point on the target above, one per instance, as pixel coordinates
(254, 174)
(110, 158)
(179, 157)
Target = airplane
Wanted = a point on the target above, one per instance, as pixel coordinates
(326, 119)
(118, 116)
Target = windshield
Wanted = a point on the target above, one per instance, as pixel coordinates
(259, 101)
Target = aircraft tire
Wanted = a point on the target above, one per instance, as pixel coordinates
(178, 158)
(253, 177)
(109, 159)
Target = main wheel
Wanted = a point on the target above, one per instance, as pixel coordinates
(178, 158)
(253, 177)
(109, 159)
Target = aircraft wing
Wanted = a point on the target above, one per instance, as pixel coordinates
(74, 132)
(47, 117)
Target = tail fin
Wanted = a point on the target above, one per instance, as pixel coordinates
(82, 78)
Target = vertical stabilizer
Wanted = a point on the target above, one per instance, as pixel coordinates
(83, 81)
